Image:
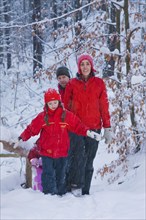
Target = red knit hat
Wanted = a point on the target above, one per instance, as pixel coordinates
(85, 57)
(51, 95)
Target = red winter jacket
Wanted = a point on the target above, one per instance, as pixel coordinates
(88, 100)
(34, 152)
(54, 139)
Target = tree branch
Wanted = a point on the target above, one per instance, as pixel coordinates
(10, 148)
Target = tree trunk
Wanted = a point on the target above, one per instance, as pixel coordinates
(54, 15)
(28, 171)
(118, 27)
(128, 67)
(37, 36)
(110, 65)
(78, 4)
(1, 36)
(7, 31)
(126, 14)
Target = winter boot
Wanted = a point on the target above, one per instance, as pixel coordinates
(77, 192)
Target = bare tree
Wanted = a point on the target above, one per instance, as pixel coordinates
(112, 43)
(6, 5)
(78, 4)
(54, 13)
(37, 36)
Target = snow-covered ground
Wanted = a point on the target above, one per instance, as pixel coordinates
(115, 201)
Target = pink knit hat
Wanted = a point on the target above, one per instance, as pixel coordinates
(85, 57)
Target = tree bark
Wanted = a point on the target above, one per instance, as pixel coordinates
(7, 32)
(78, 4)
(54, 7)
(126, 14)
(37, 36)
(21, 152)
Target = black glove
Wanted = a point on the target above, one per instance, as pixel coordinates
(19, 138)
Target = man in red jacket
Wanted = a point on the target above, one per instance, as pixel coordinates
(53, 124)
(86, 97)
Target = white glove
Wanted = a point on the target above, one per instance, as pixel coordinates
(36, 162)
(108, 135)
(94, 135)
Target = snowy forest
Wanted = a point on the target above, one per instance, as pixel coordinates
(38, 36)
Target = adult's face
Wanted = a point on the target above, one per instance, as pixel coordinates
(63, 80)
(85, 67)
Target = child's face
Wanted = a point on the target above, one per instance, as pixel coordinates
(53, 104)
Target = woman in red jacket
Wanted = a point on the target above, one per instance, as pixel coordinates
(53, 125)
(86, 97)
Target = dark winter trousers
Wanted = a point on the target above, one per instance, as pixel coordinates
(76, 162)
(80, 166)
(54, 175)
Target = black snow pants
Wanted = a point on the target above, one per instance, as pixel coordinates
(80, 162)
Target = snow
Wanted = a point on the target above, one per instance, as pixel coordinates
(106, 201)
(137, 79)
(104, 50)
(123, 199)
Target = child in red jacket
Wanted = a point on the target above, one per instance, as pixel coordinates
(53, 125)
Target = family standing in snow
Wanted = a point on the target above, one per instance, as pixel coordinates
(69, 136)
